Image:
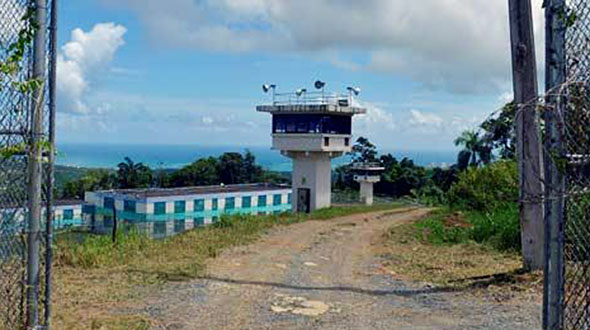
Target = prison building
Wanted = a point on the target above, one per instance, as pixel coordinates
(67, 213)
(165, 212)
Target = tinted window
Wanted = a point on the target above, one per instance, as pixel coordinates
(276, 199)
(109, 203)
(68, 214)
(230, 203)
(214, 204)
(160, 208)
(199, 205)
(312, 123)
(179, 207)
(179, 226)
(129, 206)
(246, 202)
(262, 200)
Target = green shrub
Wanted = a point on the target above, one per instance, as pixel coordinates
(435, 231)
(485, 189)
(498, 228)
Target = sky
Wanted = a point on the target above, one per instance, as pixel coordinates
(190, 71)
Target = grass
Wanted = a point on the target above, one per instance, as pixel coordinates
(437, 250)
(94, 276)
(498, 229)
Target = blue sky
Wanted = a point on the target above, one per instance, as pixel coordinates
(190, 71)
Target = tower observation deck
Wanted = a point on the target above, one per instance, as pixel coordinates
(311, 129)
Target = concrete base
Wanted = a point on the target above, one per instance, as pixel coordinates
(366, 192)
(312, 177)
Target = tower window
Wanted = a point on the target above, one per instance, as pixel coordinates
(326, 142)
(346, 142)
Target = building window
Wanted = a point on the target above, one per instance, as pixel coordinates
(160, 208)
(68, 214)
(262, 200)
(230, 203)
(214, 205)
(179, 207)
(326, 142)
(200, 221)
(246, 202)
(160, 228)
(129, 206)
(346, 142)
(276, 199)
(109, 203)
(179, 226)
(289, 198)
(215, 219)
(199, 205)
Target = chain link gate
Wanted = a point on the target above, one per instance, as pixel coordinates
(567, 163)
(21, 88)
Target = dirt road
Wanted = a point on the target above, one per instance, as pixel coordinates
(325, 275)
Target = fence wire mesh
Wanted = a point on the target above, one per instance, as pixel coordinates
(569, 102)
(15, 131)
(576, 119)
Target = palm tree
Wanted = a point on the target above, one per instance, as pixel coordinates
(133, 175)
(475, 150)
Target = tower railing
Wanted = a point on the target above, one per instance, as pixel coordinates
(313, 98)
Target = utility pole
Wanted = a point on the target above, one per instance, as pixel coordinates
(524, 68)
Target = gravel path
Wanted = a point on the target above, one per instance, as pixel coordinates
(325, 275)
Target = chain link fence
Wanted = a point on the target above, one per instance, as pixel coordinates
(567, 160)
(18, 83)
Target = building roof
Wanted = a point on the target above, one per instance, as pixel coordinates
(312, 108)
(198, 190)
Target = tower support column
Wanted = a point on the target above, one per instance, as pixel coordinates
(312, 180)
(366, 192)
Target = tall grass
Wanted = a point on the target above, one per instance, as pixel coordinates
(182, 255)
(498, 228)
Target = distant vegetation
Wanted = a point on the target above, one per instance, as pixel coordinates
(477, 195)
(229, 168)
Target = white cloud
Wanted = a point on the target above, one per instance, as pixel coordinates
(79, 62)
(418, 118)
(461, 45)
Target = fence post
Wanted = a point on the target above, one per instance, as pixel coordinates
(553, 295)
(34, 166)
(51, 157)
(524, 68)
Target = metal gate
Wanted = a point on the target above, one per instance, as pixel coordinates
(27, 116)
(567, 163)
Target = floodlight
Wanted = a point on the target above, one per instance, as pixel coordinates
(319, 84)
(266, 87)
(300, 91)
(355, 90)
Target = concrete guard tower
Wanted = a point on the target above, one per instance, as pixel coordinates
(311, 129)
(367, 174)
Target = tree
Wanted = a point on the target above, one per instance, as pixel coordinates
(363, 151)
(231, 169)
(133, 175)
(252, 172)
(202, 172)
(92, 181)
(500, 132)
(475, 150)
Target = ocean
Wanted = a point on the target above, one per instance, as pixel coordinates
(176, 156)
